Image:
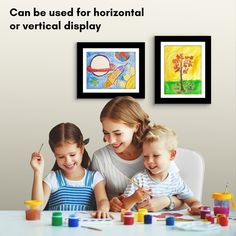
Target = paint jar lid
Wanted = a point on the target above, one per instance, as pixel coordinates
(221, 196)
(33, 202)
(170, 220)
(73, 216)
(57, 214)
(142, 210)
(205, 208)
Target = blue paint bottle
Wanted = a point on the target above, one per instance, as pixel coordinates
(73, 220)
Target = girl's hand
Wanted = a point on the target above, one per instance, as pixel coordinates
(37, 162)
(115, 204)
(102, 214)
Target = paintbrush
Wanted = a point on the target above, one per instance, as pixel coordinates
(137, 185)
(40, 148)
(92, 228)
(226, 187)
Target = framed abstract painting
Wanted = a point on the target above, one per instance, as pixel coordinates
(183, 69)
(106, 70)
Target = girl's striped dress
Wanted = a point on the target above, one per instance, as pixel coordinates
(73, 198)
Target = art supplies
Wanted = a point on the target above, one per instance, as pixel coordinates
(57, 219)
(170, 220)
(178, 216)
(89, 221)
(196, 226)
(73, 220)
(92, 228)
(222, 203)
(137, 185)
(40, 148)
(148, 219)
(204, 211)
(128, 218)
(33, 209)
(141, 213)
(163, 215)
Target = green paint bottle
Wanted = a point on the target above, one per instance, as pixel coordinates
(57, 219)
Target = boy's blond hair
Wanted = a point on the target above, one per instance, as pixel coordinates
(159, 132)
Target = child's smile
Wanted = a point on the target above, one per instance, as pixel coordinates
(156, 158)
(69, 157)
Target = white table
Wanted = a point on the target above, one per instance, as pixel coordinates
(13, 223)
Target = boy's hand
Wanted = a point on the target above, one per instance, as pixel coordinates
(154, 204)
(115, 204)
(194, 210)
(37, 162)
(141, 194)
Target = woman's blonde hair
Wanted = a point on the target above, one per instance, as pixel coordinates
(160, 132)
(127, 110)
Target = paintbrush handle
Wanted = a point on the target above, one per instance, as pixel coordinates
(133, 182)
(92, 228)
(137, 185)
(183, 219)
(40, 148)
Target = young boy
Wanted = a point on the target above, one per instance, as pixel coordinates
(156, 183)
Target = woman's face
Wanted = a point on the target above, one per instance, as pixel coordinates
(117, 134)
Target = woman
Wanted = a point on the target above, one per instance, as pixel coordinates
(124, 123)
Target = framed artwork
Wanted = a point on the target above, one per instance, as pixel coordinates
(183, 69)
(107, 70)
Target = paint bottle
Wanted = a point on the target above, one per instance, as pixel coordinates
(222, 203)
(210, 218)
(33, 209)
(147, 219)
(73, 220)
(128, 218)
(223, 220)
(204, 211)
(141, 213)
(170, 220)
(57, 219)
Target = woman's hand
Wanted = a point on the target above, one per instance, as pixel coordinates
(102, 214)
(154, 204)
(115, 204)
(37, 162)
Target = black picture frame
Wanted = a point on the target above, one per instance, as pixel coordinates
(186, 52)
(110, 69)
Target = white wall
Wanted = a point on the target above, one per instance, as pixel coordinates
(38, 86)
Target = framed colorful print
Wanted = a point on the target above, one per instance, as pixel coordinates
(106, 70)
(183, 69)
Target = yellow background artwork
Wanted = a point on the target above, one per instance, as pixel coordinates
(170, 53)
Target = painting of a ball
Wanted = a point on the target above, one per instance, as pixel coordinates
(122, 56)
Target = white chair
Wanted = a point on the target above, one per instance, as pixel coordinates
(192, 167)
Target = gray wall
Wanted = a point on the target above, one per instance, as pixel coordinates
(38, 86)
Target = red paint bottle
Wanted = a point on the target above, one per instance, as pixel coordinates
(128, 218)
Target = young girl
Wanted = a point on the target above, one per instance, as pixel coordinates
(69, 186)
(124, 123)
